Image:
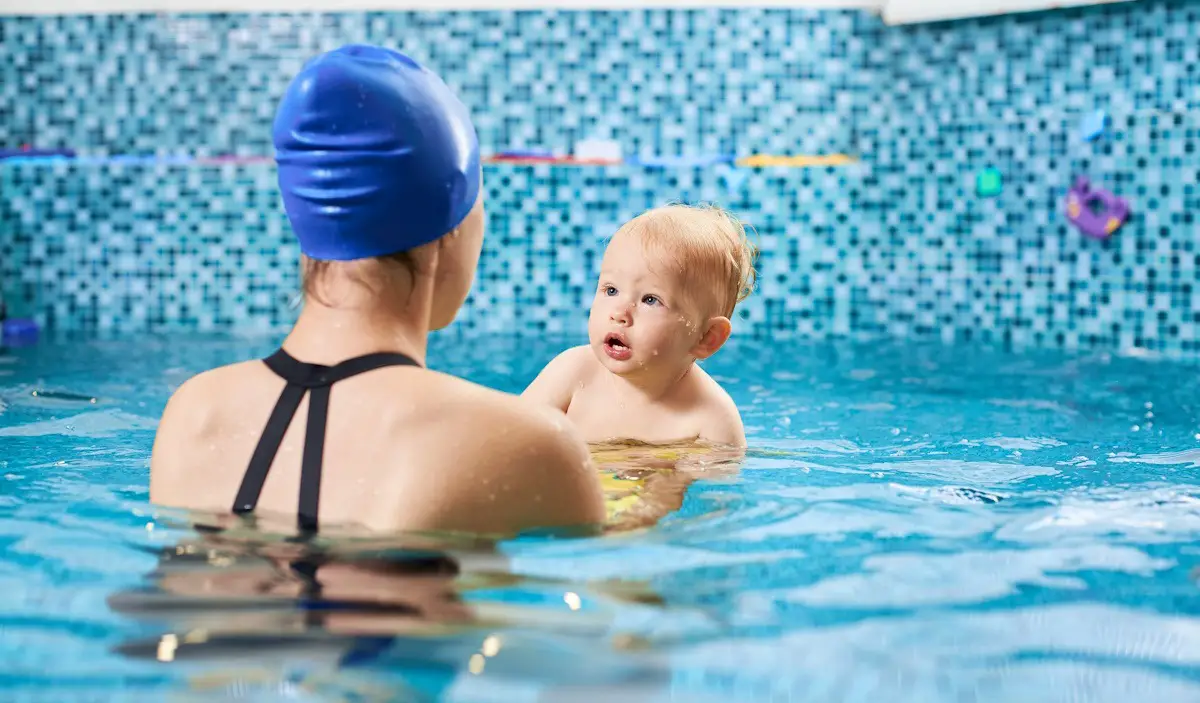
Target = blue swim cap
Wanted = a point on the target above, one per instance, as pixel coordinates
(376, 155)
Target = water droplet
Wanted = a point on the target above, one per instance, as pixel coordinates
(166, 648)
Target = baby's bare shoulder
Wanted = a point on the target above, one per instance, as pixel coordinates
(577, 361)
(717, 412)
(556, 384)
(706, 390)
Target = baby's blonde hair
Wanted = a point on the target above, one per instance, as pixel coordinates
(707, 243)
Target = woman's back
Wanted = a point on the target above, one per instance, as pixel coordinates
(405, 449)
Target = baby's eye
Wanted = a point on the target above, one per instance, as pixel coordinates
(610, 290)
(651, 300)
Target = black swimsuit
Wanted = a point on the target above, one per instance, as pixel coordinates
(301, 378)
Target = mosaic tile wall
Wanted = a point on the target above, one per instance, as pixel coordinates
(210, 248)
(897, 245)
(1009, 93)
(661, 82)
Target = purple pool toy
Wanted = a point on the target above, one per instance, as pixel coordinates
(1096, 212)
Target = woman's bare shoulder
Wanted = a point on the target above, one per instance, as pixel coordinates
(197, 415)
(509, 463)
(479, 460)
(460, 405)
(200, 397)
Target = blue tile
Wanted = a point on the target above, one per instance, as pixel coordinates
(897, 245)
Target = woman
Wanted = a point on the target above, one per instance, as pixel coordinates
(379, 168)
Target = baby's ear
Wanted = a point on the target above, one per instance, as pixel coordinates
(714, 337)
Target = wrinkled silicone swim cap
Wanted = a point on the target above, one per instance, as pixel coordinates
(376, 155)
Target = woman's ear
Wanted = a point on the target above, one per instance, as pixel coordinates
(715, 335)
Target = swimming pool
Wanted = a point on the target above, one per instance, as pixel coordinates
(912, 524)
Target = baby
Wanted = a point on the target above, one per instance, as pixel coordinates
(668, 285)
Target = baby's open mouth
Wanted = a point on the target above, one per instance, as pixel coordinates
(616, 347)
(615, 341)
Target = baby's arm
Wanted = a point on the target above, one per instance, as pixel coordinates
(556, 384)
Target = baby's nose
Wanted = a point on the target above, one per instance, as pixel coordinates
(620, 314)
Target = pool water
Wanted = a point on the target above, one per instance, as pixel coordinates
(911, 524)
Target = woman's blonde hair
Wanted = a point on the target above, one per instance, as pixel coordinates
(314, 271)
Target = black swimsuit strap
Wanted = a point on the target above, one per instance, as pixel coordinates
(302, 378)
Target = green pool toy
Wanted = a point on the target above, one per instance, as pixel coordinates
(989, 183)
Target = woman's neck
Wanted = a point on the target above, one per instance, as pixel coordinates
(330, 334)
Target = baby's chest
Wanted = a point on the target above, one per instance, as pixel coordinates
(600, 416)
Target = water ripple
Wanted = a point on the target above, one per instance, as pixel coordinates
(910, 524)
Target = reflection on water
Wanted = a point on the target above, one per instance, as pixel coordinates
(449, 607)
(909, 524)
(407, 612)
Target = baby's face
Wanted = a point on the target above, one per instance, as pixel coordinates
(642, 318)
